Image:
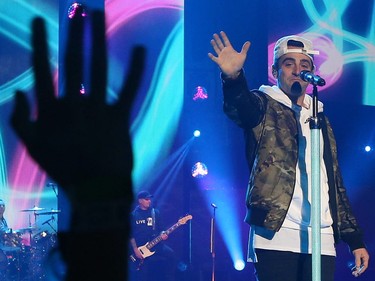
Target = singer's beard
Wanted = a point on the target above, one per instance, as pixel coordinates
(296, 89)
(295, 92)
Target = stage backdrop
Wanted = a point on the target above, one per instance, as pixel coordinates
(180, 93)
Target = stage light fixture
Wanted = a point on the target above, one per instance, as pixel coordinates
(368, 148)
(76, 9)
(82, 91)
(200, 93)
(239, 265)
(199, 170)
(197, 133)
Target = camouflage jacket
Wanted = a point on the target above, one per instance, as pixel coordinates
(271, 136)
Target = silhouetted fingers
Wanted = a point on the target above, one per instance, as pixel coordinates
(20, 117)
(98, 58)
(74, 56)
(133, 79)
(43, 78)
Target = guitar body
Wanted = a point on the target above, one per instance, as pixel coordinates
(145, 251)
(145, 254)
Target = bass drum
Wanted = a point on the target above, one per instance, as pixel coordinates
(44, 240)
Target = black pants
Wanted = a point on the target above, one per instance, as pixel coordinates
(288, 266)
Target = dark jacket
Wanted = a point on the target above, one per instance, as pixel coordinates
(271, 135)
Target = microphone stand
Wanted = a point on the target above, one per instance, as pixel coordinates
(48, 222)
(315, 189)
(212, 242)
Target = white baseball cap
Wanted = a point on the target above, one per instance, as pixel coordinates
(281, 47)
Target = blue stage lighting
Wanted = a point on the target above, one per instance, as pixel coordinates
(368, 148)
(197, 133)
(239, 265)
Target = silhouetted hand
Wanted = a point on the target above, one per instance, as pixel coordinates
(84, 144)
(79, 140)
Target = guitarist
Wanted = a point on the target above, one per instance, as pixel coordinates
(146, 225)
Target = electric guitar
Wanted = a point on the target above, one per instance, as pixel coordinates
(146, 248)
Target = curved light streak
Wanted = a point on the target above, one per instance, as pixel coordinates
(159, 116)
(368, 86)
(3, 168)
(119, 12)
(330, 24)
(154, 127)
(331, 38)
(24, 82)
(16, 28)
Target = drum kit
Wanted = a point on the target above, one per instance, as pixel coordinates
(23, 251)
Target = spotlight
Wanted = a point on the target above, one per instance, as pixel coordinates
(182, 266)
(199, 170)
(239, 265)
(200, 93)
(197, 133)
(82, 90)
(368, 148)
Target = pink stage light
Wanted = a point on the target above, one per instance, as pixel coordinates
(76, 9)
(200, 93)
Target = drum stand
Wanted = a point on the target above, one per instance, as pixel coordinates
(48, 222)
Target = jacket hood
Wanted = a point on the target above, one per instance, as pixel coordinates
(277, 94)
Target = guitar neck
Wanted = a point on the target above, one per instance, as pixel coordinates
(156, 240)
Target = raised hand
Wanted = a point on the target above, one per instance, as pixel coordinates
(84, 144)
(79, 140)
(228, 59)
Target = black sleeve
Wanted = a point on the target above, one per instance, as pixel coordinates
(246, 108)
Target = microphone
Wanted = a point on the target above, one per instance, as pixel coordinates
(310, 77)
(213, 205)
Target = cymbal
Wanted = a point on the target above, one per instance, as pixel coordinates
(51, 212)
(34, 209)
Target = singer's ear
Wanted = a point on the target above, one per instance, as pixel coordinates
(274, 71)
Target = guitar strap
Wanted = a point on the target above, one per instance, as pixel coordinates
(153, 218)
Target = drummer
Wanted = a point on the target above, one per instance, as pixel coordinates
(3, 223)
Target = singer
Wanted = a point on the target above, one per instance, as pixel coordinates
(278, 149)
